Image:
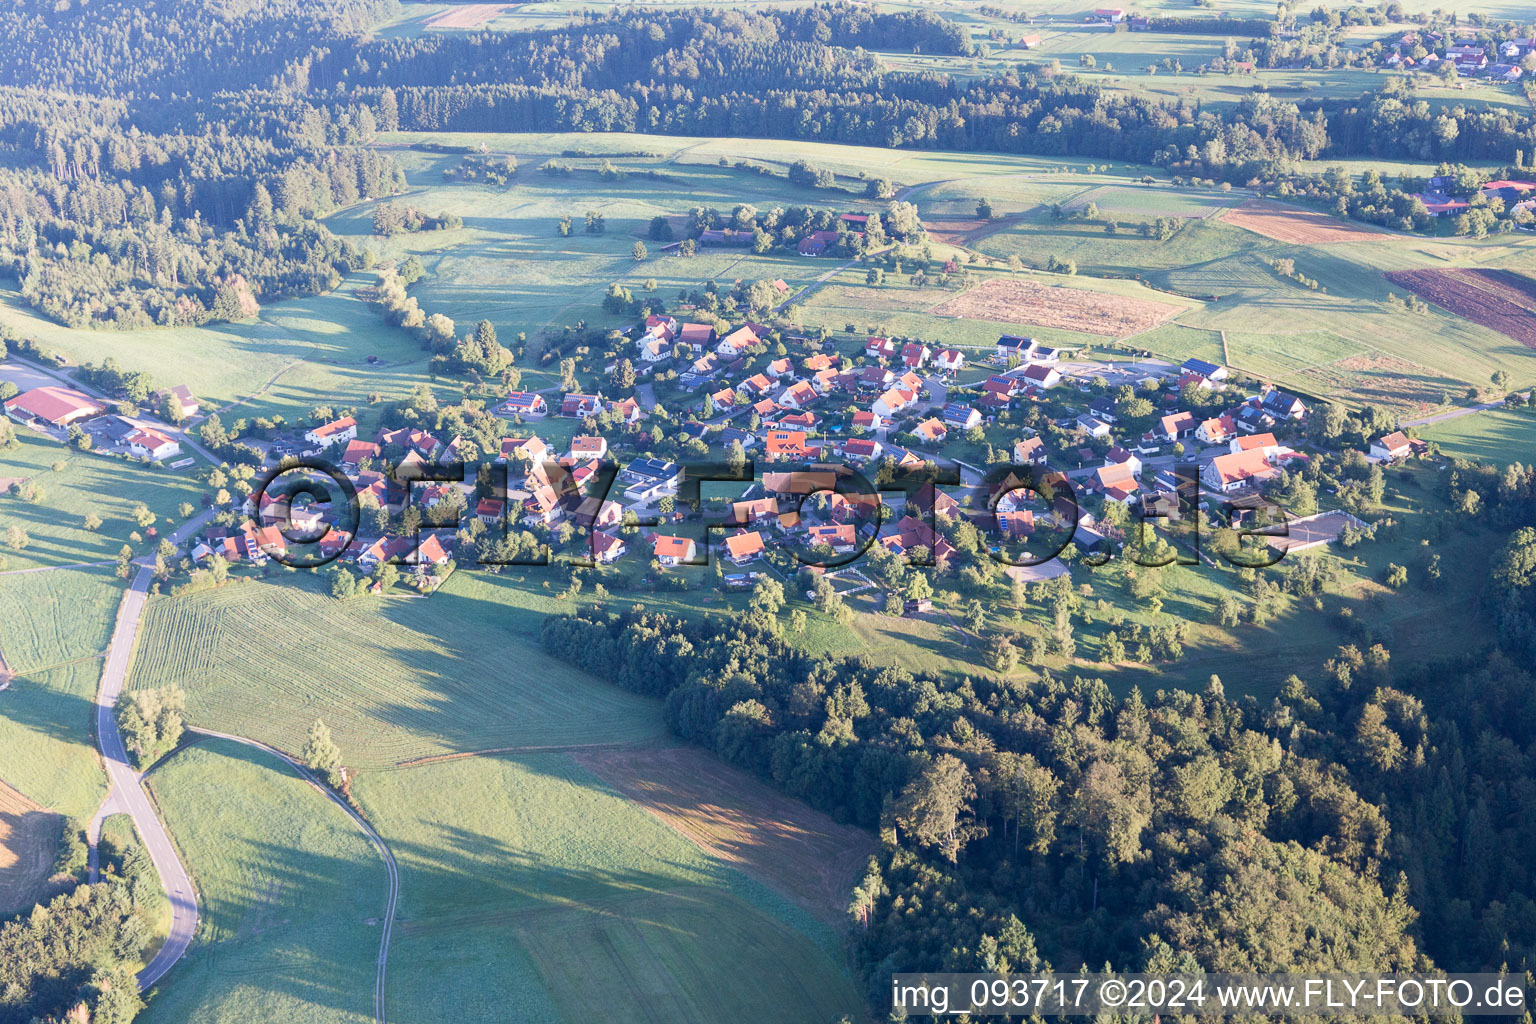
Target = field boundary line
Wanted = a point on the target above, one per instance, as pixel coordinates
(1226, 357)
(554, 748)
(391, 868)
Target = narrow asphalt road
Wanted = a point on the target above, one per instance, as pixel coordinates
(125, 794)
(1454, 414)
(127, 790)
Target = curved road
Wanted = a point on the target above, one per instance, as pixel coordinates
(127, 791)
(127, 795)
(373, 836)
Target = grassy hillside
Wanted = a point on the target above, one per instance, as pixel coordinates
(75, 485)
(530, 888)
(289, 890)
(395, 678)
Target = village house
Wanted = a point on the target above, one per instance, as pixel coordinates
(949, 360)
(148, 443)
(627, 412)
(606, 548)
(840, 537)
(1283, 405)
(817, 243)
(1013, 346)
(1116, 482)
(416, 441)
(1216, 430)
(1204, 370)
(744, 547)
(649, 480)
(578, 406)
(879, 348)
(597, 513)
(490, 511)
(737, 342)
(672, 551)
(179, 399)
(335, 432)
(1263, 442)
(1118, 456)
(784, 444)
(1178, 425)
(745, 513)
(653, 349)
(1092, 426)
(892, 402)
(696, 336)
(779, 368)
(356, 451)
(1041, 376)
(588, 447)
(1030, 452)
(531, 448)
(931, 430)
(1227, 473)
(868, 420)
(1395, 447)
(861, 450)
(914, 355)
(961, 417)
(798, 396)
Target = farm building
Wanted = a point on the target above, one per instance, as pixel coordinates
(58, 406)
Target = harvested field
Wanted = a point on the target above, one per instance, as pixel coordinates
(964, 231)
(1303, 227)
(781, 842)
(466, 16)
(28, 844)
(1495, 299)
(1068, 309)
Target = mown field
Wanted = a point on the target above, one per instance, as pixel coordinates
(289, 892)
(52, 635)
(299, 353)
(531, 890)
(396, 678)
(75, 485)
(1497, 435)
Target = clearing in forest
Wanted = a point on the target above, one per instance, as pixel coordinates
(1071, 309)
(466, 16)
(1302, 227)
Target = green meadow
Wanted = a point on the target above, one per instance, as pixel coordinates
(290, 892)
(530, 890)
(52, 635)
(74, 485)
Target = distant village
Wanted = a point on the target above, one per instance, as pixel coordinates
(806, 419)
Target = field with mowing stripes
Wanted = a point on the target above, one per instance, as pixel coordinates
(289, 892)
(532, 891)
(396, 678)
(52, 634)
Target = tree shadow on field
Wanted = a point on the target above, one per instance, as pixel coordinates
(300, 922)
(57, 714)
